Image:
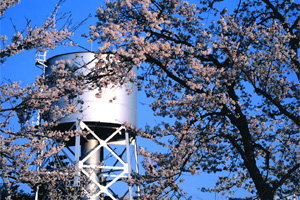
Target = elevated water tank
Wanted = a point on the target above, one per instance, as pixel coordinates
(102, 156)
(94, 109)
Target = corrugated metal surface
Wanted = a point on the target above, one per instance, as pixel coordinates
(94, 109)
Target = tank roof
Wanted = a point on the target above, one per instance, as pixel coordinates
(75, 52)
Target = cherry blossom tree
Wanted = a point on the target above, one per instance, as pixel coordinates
(224, 80)
(23, 146)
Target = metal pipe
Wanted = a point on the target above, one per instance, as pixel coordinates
(128, 163)
(93, 160)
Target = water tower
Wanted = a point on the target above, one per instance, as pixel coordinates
(109, 152)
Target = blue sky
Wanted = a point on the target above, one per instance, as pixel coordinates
(22, 66)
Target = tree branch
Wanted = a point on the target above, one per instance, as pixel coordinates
(286, 176)
(295, 119)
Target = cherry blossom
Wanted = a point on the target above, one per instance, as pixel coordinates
(226, 81)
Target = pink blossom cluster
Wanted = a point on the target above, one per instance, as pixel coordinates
(226, 87)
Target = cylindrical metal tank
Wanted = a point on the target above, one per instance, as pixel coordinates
(95, 109)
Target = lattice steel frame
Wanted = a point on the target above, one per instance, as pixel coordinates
(90, 171)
